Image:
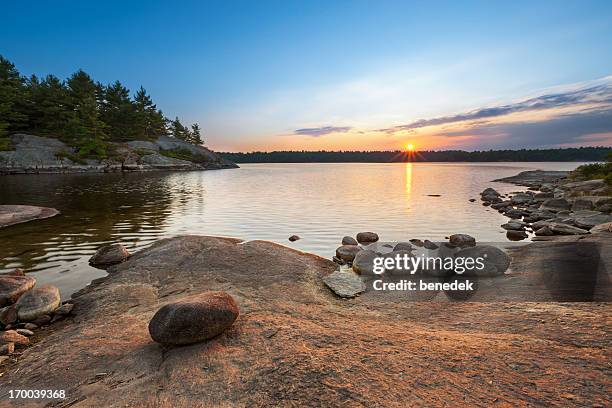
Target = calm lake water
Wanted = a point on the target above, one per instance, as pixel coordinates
(319, 202)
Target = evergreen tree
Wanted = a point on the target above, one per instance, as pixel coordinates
(85, 129)
(150, 121)
(179, 131)
(50, 106)
(12, 98)
(119, 113)
(196, 137)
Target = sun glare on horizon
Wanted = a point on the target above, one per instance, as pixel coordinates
(409, 147)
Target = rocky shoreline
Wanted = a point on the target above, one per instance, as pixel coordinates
(553, 205)
(42, 155)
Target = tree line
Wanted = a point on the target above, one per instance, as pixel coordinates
(81, 112)
(522, 155)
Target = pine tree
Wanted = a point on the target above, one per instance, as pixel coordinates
(85, 129)
(50, 106)
(12, 98)
(150, 121)
(196, 135)
(179, 131)
(119, 113)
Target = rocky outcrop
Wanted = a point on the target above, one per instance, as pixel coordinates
(297, 344)
(16, 214)
(35, 154)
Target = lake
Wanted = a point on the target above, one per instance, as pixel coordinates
(319, 202)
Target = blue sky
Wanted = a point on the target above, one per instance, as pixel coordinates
(340, 74)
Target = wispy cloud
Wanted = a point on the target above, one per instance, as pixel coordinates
(321, 131)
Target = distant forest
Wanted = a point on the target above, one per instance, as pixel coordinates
(81, 112)
(526, 155)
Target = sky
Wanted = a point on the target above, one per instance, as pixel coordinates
(341, 75)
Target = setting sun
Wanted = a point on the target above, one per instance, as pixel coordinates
(409, 147)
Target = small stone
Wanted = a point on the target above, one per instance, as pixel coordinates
(11, 336)
(30, 326)
(516, 235)
(367, 237)
(415, 242)
(471, 200)
(109, 255)
(293, 238)
(196, 319)
(6, 349)
(429, 245)
(8, 315)
(490, 192)
(25, 332)
(42, 320)
(514, 226)
(347, 252)
(404, 246)
(344, 284)
(64, 309)
(462, 240)
(349, 241)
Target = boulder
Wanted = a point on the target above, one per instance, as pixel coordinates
(556, 204)
(349, 241)
(580, 204)
(197, 319)
(589, 221)
(427, 244)
(514, 225)
(490, 192)
(11, 336)
(37, 302)
(521, 198)
(462, 240)
(516, 235)
(109, 255)
(344, 284)
(13, 286)
(565, 229)
(364, 262)
(495, 261)
(416, 242)
(347, 252)
(367, 237)
(293, 238)
(403, 246)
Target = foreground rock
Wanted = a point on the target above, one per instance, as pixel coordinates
(344, 284)
(196, 319)
(109, 255)
(347, 252)
(16, 214)
(37, 302)
(13, 286)
(367, 237)
(297, 344)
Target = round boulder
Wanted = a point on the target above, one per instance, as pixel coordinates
(13, 286)
(294, 238)
(462, 240)
(347, 252)
(349, 241)
(39, 301)
(363, 263)
(109, 255)
(495, 261)
(516, 235)
(194, 320)
(367, 237)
